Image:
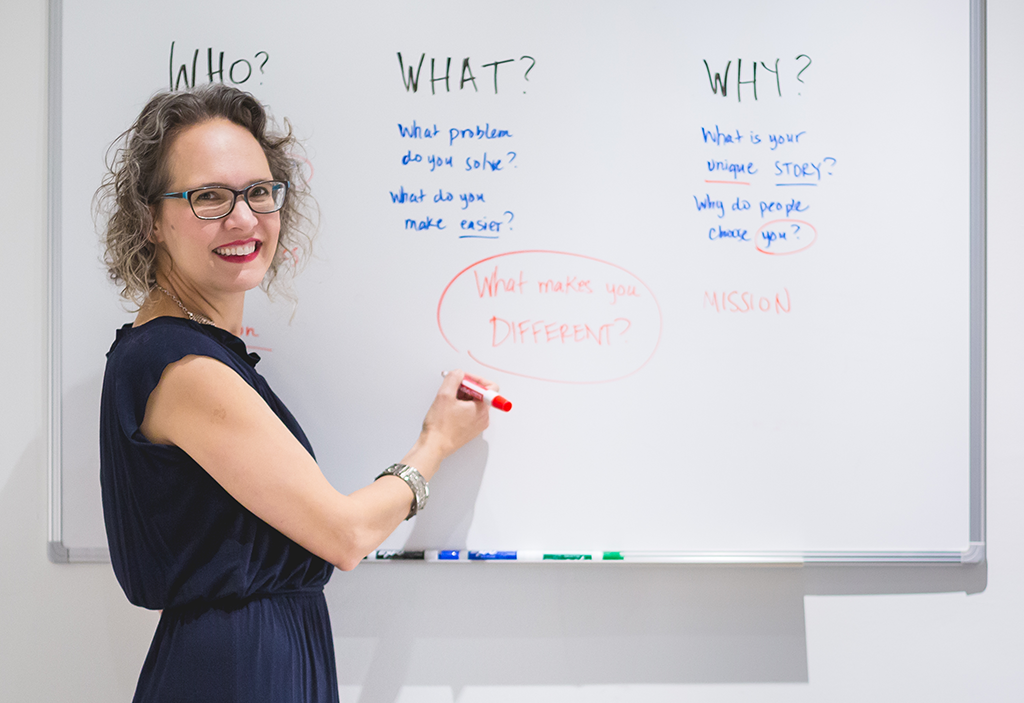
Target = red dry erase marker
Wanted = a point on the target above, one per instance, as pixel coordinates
(478, 392)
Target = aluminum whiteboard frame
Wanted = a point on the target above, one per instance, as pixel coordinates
(58, 552)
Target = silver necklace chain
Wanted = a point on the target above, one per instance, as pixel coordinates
(194, 316)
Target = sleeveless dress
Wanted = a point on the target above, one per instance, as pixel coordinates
(244, 615)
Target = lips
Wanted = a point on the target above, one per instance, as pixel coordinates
(239, 252)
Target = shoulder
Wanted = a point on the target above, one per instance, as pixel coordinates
(162, 334)
(197, 393)
(140, 355)
(153, 346)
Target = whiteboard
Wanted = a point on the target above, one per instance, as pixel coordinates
(726, 260)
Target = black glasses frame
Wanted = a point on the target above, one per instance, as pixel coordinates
(187, 195)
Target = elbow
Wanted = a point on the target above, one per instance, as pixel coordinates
(353, 547)
(347, 559)
(348, 563)
(355, 534)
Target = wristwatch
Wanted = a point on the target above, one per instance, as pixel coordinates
(416, 482)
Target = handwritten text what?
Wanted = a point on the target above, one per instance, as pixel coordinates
(441, 77)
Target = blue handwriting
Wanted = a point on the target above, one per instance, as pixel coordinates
(798, 170)
(483, 164)
(721, 233)
(403, 196)
(734, 169)
(426, 224)
(719, 137)
(417, 132)
(708, 204)
(485, 132)
(435, 161)
(483, 225)
(792, 206)
(778, 140)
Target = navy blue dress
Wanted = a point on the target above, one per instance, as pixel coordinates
(244, 615)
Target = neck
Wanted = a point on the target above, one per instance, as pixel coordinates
(224, 310)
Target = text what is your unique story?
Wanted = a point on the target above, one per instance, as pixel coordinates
(758, 187)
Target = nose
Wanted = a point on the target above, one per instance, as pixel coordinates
(241, 215)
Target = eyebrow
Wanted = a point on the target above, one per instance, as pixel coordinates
(219, 184)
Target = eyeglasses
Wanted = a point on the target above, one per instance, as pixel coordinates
(215, 202)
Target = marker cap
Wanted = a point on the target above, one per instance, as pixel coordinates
(501, 403)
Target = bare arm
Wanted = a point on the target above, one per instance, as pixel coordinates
(206, 409)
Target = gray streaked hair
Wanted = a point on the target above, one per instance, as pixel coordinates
(138, 174)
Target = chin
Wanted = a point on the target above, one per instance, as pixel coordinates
(253, 273)
(248, 282)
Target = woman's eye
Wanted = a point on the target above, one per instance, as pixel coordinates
(207, 196)
(259, 192)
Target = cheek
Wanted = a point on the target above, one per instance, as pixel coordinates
(274, 233)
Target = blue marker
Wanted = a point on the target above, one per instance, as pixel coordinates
(492, 556)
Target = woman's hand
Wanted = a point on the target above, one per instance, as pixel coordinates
(451, 422)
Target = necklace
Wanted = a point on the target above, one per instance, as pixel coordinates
(195, 317)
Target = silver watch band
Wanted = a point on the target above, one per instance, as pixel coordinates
(415, 481)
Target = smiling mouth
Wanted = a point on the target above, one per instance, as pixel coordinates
(238, 250)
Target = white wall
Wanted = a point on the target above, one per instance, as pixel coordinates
(538, 634)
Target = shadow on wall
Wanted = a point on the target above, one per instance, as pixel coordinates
(452, 500)
(495, 624)
(572, 624)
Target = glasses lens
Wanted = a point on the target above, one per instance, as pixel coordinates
(267, 196)
(211, 202)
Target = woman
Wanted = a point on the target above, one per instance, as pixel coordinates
(216, 511)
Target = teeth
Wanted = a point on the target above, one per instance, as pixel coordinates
(243, 250)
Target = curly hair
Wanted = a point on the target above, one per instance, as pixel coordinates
(138, 174)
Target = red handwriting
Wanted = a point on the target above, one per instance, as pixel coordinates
(621, 291)
(543, 332)
(246, 332)
(545, 315)
(494, 284)
(745, 301)
(571, 285)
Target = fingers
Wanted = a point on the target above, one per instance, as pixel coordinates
(453, 418)
(490, 385)
(452, 381)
